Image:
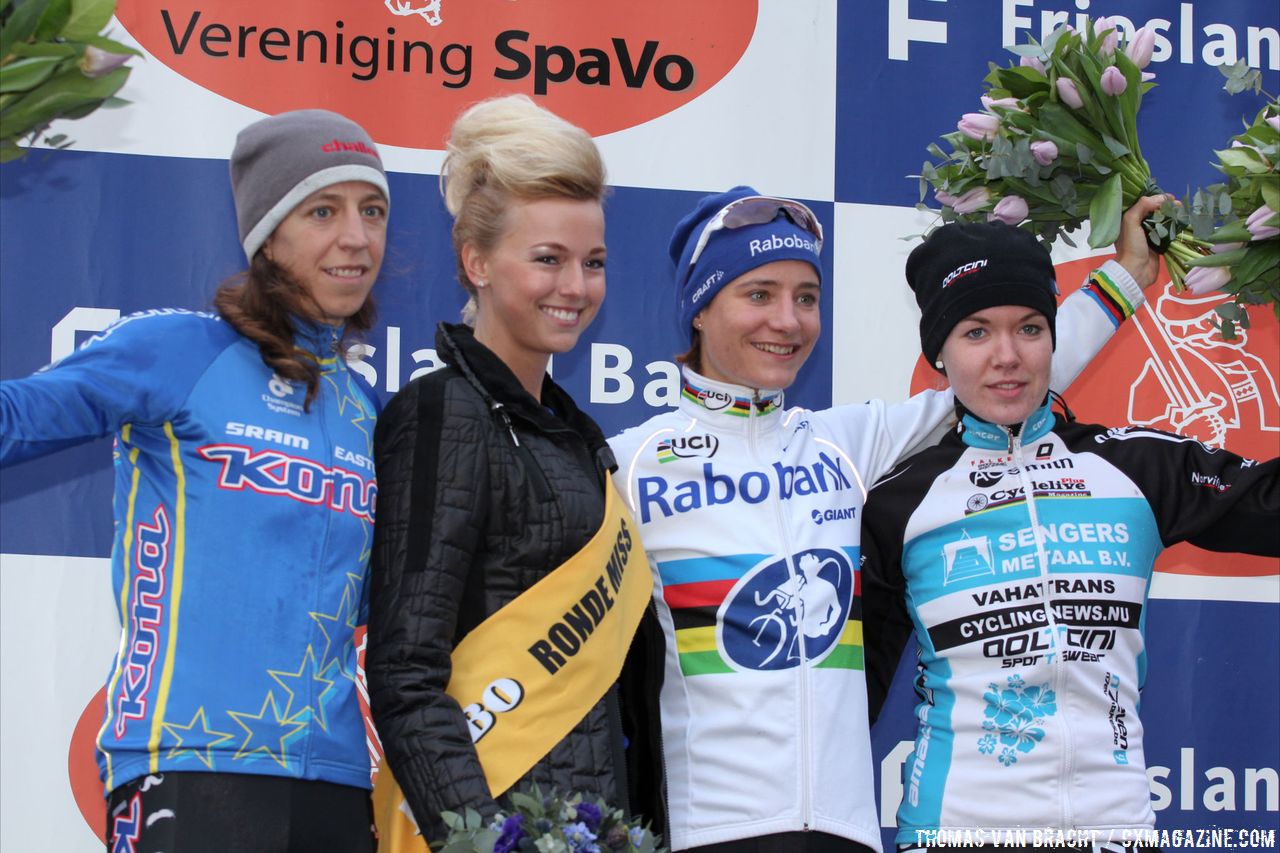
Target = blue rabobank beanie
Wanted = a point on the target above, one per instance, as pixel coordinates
(730, 252)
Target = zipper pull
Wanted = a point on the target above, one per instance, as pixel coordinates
(497, 407)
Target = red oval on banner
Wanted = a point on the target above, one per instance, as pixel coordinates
(1167, 369)
(82, 765)
(404, 69)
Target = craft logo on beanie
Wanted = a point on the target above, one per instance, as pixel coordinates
(963, 267)
(280, 160)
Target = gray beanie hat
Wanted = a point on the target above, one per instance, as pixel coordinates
(282, 159)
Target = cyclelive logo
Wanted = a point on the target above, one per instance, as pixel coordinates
(1188, 39)
(272, 472)
(146, 613)
(659, 495)
(787, 610)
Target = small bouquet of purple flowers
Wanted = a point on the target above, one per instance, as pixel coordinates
(551, 823)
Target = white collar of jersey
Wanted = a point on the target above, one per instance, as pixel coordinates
(703, 397)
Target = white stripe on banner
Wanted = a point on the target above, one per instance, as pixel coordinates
(1262, 590)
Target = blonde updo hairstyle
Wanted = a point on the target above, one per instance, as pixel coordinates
(507, 149)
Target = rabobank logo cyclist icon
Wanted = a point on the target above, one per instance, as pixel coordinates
(787, 609)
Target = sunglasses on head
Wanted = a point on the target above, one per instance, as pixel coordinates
(758, 210)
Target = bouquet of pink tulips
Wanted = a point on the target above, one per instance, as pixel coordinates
(1056, 144)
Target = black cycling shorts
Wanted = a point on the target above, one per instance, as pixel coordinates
(223, 812)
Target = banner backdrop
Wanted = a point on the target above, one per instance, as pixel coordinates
(832, 103)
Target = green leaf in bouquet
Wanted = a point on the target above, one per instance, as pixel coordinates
(111, 45)
(54, 18)
(1244, 158)
(1033, 50)
(1116, 147)
(1064, 190)
(1234, 232)
(453, 820)
(23, 19)
(1021, 82)
(1240, 77)
(1104, 213)
(64, 94)
(527, 802)
(1086, 157)
(1269, 189)
(1260, 257)
(1058, 121)
(87, 19)
(1221, 259)
(27, 48)
(10, 151)
(25, 74)
(1201, 216)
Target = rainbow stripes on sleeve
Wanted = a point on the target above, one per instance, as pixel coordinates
(1109, 297)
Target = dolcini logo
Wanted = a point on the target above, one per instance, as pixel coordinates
(688, 447)
(602, 66)
(962, 271)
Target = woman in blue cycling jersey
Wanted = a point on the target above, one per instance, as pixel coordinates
(243, 514)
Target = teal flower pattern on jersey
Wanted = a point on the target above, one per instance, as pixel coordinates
(1014, 716)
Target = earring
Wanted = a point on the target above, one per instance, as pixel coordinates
(482, 283)
(938, 364)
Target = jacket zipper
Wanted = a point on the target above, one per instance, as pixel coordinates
(1056, 664)
(321, 412)
(788, 552)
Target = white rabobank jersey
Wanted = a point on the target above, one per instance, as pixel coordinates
(750, 516)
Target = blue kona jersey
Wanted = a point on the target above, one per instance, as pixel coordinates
(243, 523)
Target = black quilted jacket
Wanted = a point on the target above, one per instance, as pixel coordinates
(481, 492)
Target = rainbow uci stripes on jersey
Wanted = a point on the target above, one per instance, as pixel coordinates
(747, 612)
(720, 401)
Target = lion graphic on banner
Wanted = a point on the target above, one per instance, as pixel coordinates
(429, 11)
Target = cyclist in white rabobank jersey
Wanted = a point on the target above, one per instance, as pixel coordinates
(244, 501)
(750, 515)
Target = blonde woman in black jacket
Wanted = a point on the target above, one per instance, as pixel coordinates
(491, 478)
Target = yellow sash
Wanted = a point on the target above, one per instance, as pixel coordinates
(530, 672)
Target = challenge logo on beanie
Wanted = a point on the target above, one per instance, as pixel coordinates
(962, 268)
(729, 252)
(282, 159)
